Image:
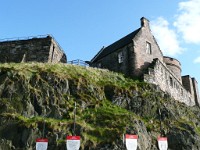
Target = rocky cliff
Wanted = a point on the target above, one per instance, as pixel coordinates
(37, 99)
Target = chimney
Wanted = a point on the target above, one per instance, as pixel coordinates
(144, 22)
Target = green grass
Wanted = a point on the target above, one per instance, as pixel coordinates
(56, 87)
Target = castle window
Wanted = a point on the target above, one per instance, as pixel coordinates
(120, 57)
(171, 81)
(148, 48)
(99, 65)
(52, 55)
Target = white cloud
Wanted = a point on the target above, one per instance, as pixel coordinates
(188, 21)
(166, 37)
(197, 60)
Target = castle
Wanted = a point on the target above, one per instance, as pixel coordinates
(138, 55)
(135, 55)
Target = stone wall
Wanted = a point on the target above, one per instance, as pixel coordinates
(196, 91)
(187, 83)
(142, 58)
(135, 58)
(160, 75)
(43, 49)
(56, 53)
(191, 85)
(174, 65)
(112, 63)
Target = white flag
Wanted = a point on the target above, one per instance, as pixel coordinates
(73, 142)
(41, 144)
(131, 142)
(162, 143)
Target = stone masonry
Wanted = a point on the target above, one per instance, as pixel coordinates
(161, 75)
(39, 49)
(138, 55)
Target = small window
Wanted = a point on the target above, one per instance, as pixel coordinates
(99, 65)
(182, 92)
(53, 54)
(171, 82)
(120, 57)
(148, 48)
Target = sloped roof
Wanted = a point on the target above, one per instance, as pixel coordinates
(115, 46)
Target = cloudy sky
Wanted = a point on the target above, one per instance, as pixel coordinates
(83, 27)
(182, 30)
(179, 37)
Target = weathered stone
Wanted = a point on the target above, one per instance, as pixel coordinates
(134, 55)
(44, 49)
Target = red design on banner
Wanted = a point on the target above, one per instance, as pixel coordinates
(162, 143)
(131, 136)
(41, 140)
(73, 137)
(162, 138)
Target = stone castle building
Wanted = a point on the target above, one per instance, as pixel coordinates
(34, 49)
(135, 55)
(138, 55)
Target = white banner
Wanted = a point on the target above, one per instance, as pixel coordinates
(73, 142)
(131, 142)
(162, 143)
(41, 144)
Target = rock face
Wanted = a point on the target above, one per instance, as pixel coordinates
(34, 96)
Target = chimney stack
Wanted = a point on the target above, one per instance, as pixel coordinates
(144, 22)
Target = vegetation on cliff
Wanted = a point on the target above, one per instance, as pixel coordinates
(108, 106)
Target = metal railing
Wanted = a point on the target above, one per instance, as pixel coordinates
(78, 62)
(23, 38)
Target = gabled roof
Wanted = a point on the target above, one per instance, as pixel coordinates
(115, 46)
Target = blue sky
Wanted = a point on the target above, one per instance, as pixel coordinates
(82, 28)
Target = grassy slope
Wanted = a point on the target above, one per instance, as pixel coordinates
(98, 120)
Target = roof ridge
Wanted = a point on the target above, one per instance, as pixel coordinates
(116, 45)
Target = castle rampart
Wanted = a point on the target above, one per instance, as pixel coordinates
(174, 65)
(161, 75)
(196, 91)
(38, 49)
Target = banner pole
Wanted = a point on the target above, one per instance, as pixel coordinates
(43, 128)
(123, 141)
(74, 119)
(160, 122)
